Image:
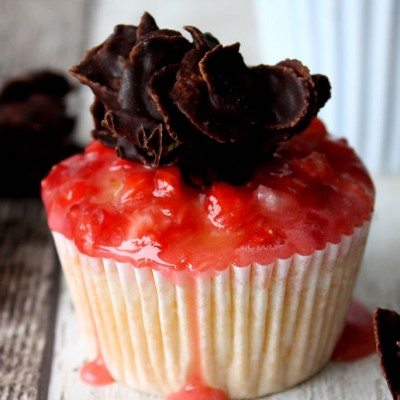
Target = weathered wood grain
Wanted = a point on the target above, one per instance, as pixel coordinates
(28, 297)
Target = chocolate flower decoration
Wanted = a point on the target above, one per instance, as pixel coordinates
(162, 100)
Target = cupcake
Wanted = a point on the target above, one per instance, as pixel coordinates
(212, 231)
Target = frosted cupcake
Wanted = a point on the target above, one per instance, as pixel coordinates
(212, 233)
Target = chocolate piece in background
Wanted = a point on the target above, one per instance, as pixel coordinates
(35, 131)
(387, 339)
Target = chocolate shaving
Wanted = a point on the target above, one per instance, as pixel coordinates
(387, 339)
(163, 100)
(34, 131)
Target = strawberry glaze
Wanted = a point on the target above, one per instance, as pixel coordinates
(312, 191)
(357, 340)
(96, 373)
(198, 393)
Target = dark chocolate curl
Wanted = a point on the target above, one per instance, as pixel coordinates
(202, 40)
(387, 339)
(103, 66)
(322, 88)
(147, 25)
(162, 100)
(178, 126)
(149, 55)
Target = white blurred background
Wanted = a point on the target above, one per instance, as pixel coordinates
(355, 42)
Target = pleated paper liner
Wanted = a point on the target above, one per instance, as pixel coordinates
(249, 331)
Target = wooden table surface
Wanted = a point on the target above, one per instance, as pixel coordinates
(40, 346)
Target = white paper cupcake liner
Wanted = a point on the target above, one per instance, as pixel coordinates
(253, 330)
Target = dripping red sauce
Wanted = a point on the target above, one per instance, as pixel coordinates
(96, 373)
(198, 393)
(357, 340)
(195, 376)
(195, 389)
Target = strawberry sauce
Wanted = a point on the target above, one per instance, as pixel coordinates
(96, 373)
(198, 393)
(357, 340)
(313, 190)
